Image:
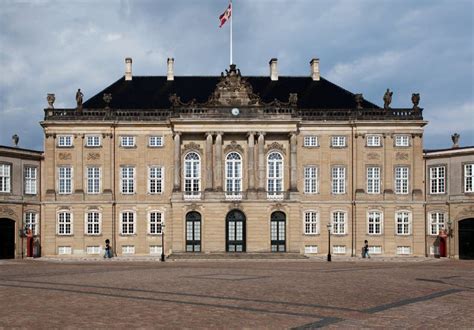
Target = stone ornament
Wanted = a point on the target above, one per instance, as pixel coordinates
(373, 156)
(359, 98)
(192, 146)
(275, 146)
(15, 139)
(50, 98)
(79, 98)
(7, 211)
(65, 156)
(233, 146)
(401, 156)
(107, 99)
(93, 156)
(455, 138)
(415, 99)
(387, 99)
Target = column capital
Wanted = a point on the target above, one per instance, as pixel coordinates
(292, 133)
(209, 134)
(175, 133)
(262, 133)
(252, 133)
(219, 133)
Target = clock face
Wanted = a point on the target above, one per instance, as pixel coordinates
(235, 111)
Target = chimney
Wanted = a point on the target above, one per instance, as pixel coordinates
(128, 68)
(170, 73)
(315, 69)
(273, 69)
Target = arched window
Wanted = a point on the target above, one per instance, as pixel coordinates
(233, 175)
(275, 175)
(192, 175)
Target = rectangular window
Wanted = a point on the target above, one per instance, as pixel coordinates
(155, 224)
(155, 141)
(403, 223)
(437, 180)
(310, 141)
(403, 250)
(31, 222)
(375, 249)
(468, 175)
(5, 178)
(128, 249)
(402, 141)
(338, 180)
(311, 180)
(93, 180)
(64, 250)
(64, 223)
(374, 223)
(95, 249)
(373, 180)
(31, 174)
(311, 223)
(127, 179)
(93, 223)
(310, 249)
(92, 141)
(373, 141)
(339, 249)
(155, 180)
(338, 223)
(127, 223)
(338, 141)
(65, 141)
(127, 141)
(65, 180)
(436, 222)
(155, 249)
(401, 180)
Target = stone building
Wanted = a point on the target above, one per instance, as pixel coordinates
(232, 164)
(20, 200)
(450, 201)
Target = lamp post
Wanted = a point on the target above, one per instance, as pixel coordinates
(163, 242)
(329, 241)
(450, 234)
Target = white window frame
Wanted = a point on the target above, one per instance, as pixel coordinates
(374, 140)
(374, 221)
(126, 223)
(155, 225)
(65, 141)
(65, 225)
(403, 223)
(338, 141)
(468, 178)
(94, 249)
(128, 249)
(375, 249)
(311, 222)
(311, 179)
(339, 249)
(402, 140)
(373, 180)
(311, 249)
(275, 175)
(5, 178)
(437, 179)
(64, 250)
(31, 221)
(127, 179)
(155, 141)
(93, 180)
(192, 175)
(402, 180)
(233, 175)
(404, 250)
(338, 180)
(65, 182)
(437, 221)
(338, 222)
(31, 179)
(310, 141)
(155, 250)
(93, 222)
(155, 179)
(93, 141)
(127, 141)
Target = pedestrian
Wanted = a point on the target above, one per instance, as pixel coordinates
(365, 249)
(108, 249)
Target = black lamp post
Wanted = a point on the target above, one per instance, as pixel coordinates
(163, 242)
(329, 241)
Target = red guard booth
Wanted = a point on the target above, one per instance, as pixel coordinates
(442, 243)
(29, 243)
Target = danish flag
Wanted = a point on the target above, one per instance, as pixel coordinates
(226, 15)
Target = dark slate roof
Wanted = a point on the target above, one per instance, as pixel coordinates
(152, 92)
(428, 151)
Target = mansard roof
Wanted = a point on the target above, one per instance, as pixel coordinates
(153, 92)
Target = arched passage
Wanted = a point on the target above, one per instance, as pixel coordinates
(466, 239)
(7, 238)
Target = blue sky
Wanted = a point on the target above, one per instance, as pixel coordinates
(364, 46)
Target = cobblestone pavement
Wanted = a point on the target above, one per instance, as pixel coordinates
(236, 294)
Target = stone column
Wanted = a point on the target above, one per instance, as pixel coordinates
(208, 161)
(177, 161)
(261, 161)
(250, 165)
(218, 173)
(293, 172)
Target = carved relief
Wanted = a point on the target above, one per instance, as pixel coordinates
(276, 146)
(235, 205)
(93, 156)
(466, 212)
(8, 212)
(65, 156)
(192, 146)
(373, 156)
(401, 156)
(233, 146)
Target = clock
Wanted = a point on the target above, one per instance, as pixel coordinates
(235, 112)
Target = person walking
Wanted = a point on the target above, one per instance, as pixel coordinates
(365, 253)
(108, 249)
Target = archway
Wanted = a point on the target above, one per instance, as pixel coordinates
(235, 231)
(278, 231)
(193, 232)
(7, 238)
(466, 239)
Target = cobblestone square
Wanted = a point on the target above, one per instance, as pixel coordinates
(274, 294)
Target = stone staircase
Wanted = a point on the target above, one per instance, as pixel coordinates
(238, 256)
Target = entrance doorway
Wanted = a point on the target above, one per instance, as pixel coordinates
(278, 231)
(7, 238)
(235, 231)
(193, 232)
(466, 239)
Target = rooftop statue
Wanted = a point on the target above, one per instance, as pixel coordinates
(387, 99)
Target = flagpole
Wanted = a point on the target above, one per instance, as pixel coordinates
(231, 15)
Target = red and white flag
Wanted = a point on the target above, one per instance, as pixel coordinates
(226, 15)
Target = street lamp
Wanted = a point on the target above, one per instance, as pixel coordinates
(450, 228)
(163, 242)
(329, 241)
